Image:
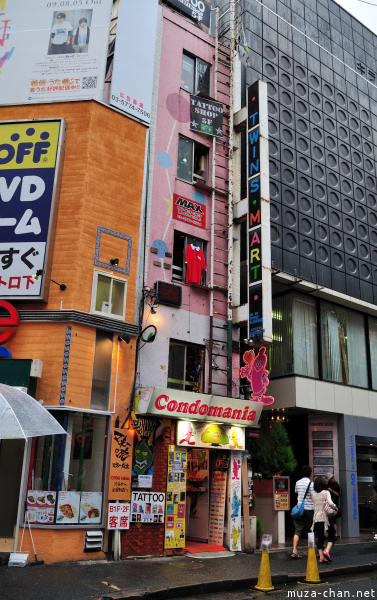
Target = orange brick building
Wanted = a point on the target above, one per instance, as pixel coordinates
(66, 351)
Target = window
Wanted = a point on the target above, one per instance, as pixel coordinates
(72, 466)
(372, 326)
(186, 364)
(179, 271)
(195, 75)
(109, 295)
(192, 161)
(101, 377)
(344, 357)
(304, 324)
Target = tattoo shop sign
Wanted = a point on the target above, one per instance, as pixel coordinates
(29, 174)
(206, 116)
(122, 441)
(194, 9)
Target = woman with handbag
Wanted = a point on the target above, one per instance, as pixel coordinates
(323, 510)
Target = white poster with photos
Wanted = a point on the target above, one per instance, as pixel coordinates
(53, 51)
(147, 507)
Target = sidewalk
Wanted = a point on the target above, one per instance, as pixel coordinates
(173, 577)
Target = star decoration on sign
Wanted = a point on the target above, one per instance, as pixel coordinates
(219, 131)
(194, 124)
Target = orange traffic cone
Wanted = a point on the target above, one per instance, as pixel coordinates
(264, 583)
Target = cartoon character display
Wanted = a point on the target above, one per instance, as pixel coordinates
(235, 535)
(236, 465)
(188, 436)
(234, 443)
(236, 503)
(256, 373)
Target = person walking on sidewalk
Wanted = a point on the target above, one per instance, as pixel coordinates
(321, 522)
(334, 489)
(307, 518)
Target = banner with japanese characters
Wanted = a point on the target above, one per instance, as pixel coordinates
(53, 51)
(29, 176)
(132, 76)
(122, 441)
(175, 516)
(118, 515)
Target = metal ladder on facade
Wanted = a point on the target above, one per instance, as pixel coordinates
(219, 344)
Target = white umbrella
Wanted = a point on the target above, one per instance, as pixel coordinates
(21, 416)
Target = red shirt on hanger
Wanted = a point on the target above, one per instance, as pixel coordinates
(195, 264)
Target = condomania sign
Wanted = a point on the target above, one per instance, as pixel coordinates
(203, 407)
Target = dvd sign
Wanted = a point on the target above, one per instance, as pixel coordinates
(189, 211)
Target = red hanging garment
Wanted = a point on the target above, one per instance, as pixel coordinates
(195, 264)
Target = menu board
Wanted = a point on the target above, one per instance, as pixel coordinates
(147, 507)
(40, 506)
(90, 507)
(176, 498)
(217, 508)
(68, 507)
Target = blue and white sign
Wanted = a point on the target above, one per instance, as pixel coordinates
(29, 161)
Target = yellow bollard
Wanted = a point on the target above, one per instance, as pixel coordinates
(264, 583)
(312, 573)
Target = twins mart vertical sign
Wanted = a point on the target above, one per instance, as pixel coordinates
(260, 304)
(29, 175)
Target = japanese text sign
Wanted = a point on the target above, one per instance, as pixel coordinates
(121, 464)
(197, 10)
(29, 160)
(189, 211)
(118, 516)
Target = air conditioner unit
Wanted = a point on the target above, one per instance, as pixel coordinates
(168, 293)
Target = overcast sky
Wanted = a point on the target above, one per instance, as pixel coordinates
(365, 12)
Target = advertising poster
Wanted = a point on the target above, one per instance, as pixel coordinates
(90, 507)
(197, 10)
(281, 492)
(68, 507)
(118, 515)
(28, 178)
(206, 116)
(195, 434)
(122, 441)
(217, 508)
(132, 76)
(188, 211)
(147, 507)
(53, 51)
(235, 501)
(40, 506)
(176, 498)
(142, 469)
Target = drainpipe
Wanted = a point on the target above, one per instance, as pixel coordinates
(213, 183)
(230, 204)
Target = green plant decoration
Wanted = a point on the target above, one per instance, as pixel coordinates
(272, 453)
(259, 529)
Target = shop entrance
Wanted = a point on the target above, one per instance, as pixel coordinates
(366, 452)
(11, 460)
(206, 494)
